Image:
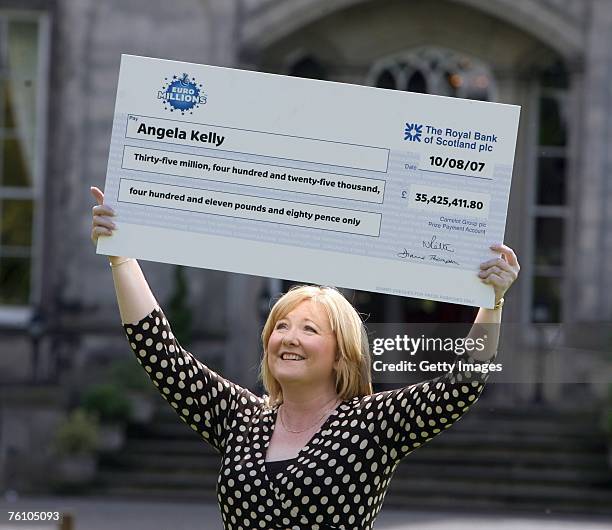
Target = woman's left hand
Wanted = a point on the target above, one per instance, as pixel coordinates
(500, 272)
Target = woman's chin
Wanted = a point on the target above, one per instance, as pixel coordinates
(290, 374)
(287, 376)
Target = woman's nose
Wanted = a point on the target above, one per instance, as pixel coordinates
(290, 337)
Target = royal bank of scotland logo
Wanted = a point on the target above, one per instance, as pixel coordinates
(413, 132)
(181, 93)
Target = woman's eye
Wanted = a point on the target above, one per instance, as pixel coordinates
(281, 325)
(310, 328)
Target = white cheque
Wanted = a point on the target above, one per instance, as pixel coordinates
(306, 180)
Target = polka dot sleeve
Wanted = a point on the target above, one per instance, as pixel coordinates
(404, 419)
(203, 399)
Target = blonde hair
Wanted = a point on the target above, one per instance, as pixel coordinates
(353, 376)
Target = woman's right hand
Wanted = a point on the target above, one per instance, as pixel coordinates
(102, 224)
(134, 296)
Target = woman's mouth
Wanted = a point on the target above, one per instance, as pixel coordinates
(291, 357)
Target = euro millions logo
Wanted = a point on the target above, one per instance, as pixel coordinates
(182, 94)
(413, 132)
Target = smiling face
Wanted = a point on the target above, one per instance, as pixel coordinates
(302, 347)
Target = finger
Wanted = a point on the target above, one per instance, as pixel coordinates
(507, 278)
(102, 210)
(496, 262)
(495, 280)
(97, 194)
(507, 252)
(491, 270)
(100, 231)
(501, 267)
(99, 220)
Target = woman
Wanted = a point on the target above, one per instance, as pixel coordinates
(320, 451)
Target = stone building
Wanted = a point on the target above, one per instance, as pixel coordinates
(59, 64)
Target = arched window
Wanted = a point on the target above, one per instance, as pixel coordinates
(432, 70)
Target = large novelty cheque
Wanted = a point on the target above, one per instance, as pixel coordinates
(307, 180)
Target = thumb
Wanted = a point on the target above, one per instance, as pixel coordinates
(97, 194)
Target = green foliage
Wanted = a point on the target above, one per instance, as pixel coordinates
(179, 312)
(107, 402)
(77, 435)
(129, 375)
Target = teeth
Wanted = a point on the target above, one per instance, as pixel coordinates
(291, 357)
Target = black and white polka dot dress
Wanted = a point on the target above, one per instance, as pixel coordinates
(339, 479)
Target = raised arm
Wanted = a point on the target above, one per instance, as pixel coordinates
(202, 398)
(134, 296)
(404, 419)
(500, 273)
